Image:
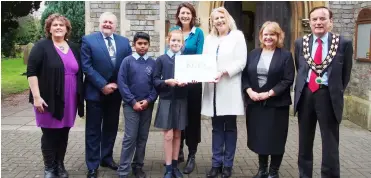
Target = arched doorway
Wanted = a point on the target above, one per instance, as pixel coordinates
(298, 20)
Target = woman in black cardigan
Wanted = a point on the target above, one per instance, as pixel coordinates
(55, 78)
(266, 82)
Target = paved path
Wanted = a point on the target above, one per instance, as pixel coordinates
(21, 154)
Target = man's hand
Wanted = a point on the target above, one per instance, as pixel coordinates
(113, 86)
(137, 107)
(109, 88)
(144, 104)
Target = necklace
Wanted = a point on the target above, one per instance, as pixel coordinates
(319, 68)
(61, 47)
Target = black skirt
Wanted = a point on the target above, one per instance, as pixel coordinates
(171, 114)
(267, 129)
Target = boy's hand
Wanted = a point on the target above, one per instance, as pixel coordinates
(144, 104)
(137, 107)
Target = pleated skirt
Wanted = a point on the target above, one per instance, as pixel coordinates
(171, 114)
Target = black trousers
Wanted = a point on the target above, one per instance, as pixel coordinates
(192, 133)
(54, 144)
(315, 107)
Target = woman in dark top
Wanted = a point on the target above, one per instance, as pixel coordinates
(266, 82)
(55, 78)
(193, 44)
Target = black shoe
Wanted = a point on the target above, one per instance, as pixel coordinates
(92, 173)
(214, 172)
(227, 172)
(61, 170)
(139, 173)
(181, 156)
(190, 166)
(262, 173)
(112, 165)
(273, 173)
(176, 173)
(168, 175)
(50, 172)
(50, 169)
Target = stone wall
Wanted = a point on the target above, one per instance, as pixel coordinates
(95, 9)
(357, 106)
(142, 16)
(136, 16)
(171, 7)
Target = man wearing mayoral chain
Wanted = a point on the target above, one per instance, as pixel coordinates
(323, 63)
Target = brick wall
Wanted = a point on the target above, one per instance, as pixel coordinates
(98, 7)
(171, 7)
(345, 15)
(142, 16)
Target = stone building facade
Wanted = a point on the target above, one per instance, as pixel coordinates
(155, 17)
(93, 10)
(152, 17)
(357, 106)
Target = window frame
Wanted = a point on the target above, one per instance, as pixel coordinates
(364, 17)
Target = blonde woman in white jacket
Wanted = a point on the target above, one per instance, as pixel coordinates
(222, 100)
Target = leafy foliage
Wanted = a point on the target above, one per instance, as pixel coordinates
(28, 31)
(73, 10)
(7, 43)
(10, 12)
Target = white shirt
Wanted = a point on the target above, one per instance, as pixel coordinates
(112, 41)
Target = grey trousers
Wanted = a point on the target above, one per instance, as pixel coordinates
(135, 139)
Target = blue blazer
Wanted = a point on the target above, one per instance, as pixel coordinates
(97, 65)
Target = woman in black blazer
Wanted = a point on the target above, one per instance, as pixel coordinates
(266, 82)
(55, 78)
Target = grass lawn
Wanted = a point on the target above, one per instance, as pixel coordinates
(12, 80)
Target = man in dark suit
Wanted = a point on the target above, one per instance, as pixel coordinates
(101, 54)
(323, 63)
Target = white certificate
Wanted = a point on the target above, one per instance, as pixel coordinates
(199, 67)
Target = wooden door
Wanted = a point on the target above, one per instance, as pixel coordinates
(278, 11)
(235, 9)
